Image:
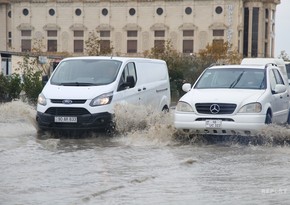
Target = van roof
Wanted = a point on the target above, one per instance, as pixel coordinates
(262, 61)
(123, 59)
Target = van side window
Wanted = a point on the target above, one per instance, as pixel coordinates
(128, 77)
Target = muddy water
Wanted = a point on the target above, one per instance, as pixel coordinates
(147, 162)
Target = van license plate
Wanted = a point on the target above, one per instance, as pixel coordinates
(65, 119)
(213, 123)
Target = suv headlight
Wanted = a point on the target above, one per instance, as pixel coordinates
(183, 107)
(103, 99)
(251, 108)
(41, 99)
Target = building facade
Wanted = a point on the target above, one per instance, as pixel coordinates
(131, 27)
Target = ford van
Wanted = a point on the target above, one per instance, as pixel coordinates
(82, 91)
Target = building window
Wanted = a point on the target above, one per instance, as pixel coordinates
(78, 12)
(255, 30)
(266, 30)
(78, 46)
(78, 41)
(26, 33)
(52, 33)
(266, 13)
(78, 33)
(9, 39)
(159, 45)
(25, 12)
(52, 40)
(159, 33)
(52, 45)
(51, 12)
(9, 14)
(105, 46)
(25, 45)
(105, 12)
(187, 46)
(218, 10)
(132, 33)
(132, 46)
(188, 10)
(218, 32)
(105, 33)
(246, 32)
(159, 11)
(132, 12)
(188, 33)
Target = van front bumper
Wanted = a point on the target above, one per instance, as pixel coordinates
(84, 122)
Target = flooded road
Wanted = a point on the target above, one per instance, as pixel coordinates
(146, 163)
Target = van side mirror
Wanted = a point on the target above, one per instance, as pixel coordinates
(130, 81)
(44, 79)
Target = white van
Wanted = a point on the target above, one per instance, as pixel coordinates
(263, 61)
(83, 91)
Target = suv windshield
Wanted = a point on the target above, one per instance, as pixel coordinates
(86, 72)
(239, 78)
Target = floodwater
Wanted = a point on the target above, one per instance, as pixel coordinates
(147, 162)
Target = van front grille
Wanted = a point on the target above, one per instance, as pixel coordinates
(220, 108)
(66, 111)
(62, 101)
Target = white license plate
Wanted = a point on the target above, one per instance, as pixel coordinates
(66, 119)
(213, 123)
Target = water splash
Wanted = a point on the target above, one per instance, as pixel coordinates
(137, 125)
(17, 118)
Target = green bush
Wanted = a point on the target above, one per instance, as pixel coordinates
(10, 87)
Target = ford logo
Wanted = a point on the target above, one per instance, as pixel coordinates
(214, 108)
(67, 101)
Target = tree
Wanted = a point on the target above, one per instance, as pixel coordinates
(93, 45)
(284, 56)
(219, 53)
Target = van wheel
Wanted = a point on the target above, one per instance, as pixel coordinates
(268, 118)
(165, 109)
(288, 120)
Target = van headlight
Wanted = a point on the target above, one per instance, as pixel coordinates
(41, 99)
(183, 107)
(103, 99)
(251, 108)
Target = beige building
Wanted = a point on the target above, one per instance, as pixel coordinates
(134, 26)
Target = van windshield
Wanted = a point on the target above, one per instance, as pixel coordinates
(238, 78)
(86, 72)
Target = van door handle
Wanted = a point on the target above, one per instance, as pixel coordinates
(144, 88)
(139, 89)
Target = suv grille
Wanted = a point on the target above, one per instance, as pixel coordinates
(66, 111)
(224, 108)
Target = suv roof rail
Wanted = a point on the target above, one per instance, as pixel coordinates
(272, 64)
(214, 64)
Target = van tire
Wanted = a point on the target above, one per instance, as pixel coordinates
(288, 119)
(268, 119)
(165, 109)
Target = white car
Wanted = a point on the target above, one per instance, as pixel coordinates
(234, 100)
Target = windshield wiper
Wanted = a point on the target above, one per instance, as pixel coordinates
(77, 84)
(235, 82)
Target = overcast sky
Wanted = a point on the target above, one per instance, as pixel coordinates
(283, 28)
